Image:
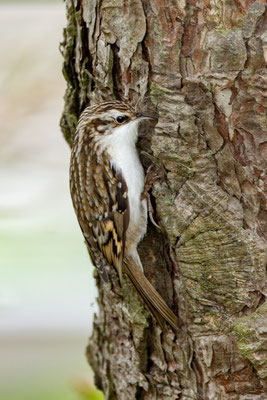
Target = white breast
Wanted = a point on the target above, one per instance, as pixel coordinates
(121, 147)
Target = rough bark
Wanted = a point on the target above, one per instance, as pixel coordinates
(201, 66)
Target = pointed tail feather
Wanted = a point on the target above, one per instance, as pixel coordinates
(153, 300)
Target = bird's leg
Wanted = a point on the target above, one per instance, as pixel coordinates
(150, 178)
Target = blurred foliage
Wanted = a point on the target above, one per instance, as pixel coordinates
(89, 392)
(57, 393)
(30, 1)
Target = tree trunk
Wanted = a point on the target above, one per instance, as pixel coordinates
(201, 67)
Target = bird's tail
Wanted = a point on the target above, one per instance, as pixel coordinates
(152, 299)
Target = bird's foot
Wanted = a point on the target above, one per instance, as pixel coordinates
(150, 179)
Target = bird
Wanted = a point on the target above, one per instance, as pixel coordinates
(106, 186)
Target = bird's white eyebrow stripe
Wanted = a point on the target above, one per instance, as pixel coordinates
(110, 105)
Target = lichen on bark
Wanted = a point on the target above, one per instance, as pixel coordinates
(252, 339)
(201, 67)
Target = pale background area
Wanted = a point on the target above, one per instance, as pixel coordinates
(47, 293)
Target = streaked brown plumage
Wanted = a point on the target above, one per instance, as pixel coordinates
(106, 181)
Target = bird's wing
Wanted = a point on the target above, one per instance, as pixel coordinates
(103, 210)
(109, 229)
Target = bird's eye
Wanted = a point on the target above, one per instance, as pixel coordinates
(121, 118)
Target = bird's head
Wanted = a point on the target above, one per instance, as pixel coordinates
(111, 118)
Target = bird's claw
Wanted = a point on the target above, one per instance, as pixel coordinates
(149, 181)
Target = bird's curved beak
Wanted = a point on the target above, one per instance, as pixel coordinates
(145, 116)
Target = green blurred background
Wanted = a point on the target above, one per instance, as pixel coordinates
(47, 293)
